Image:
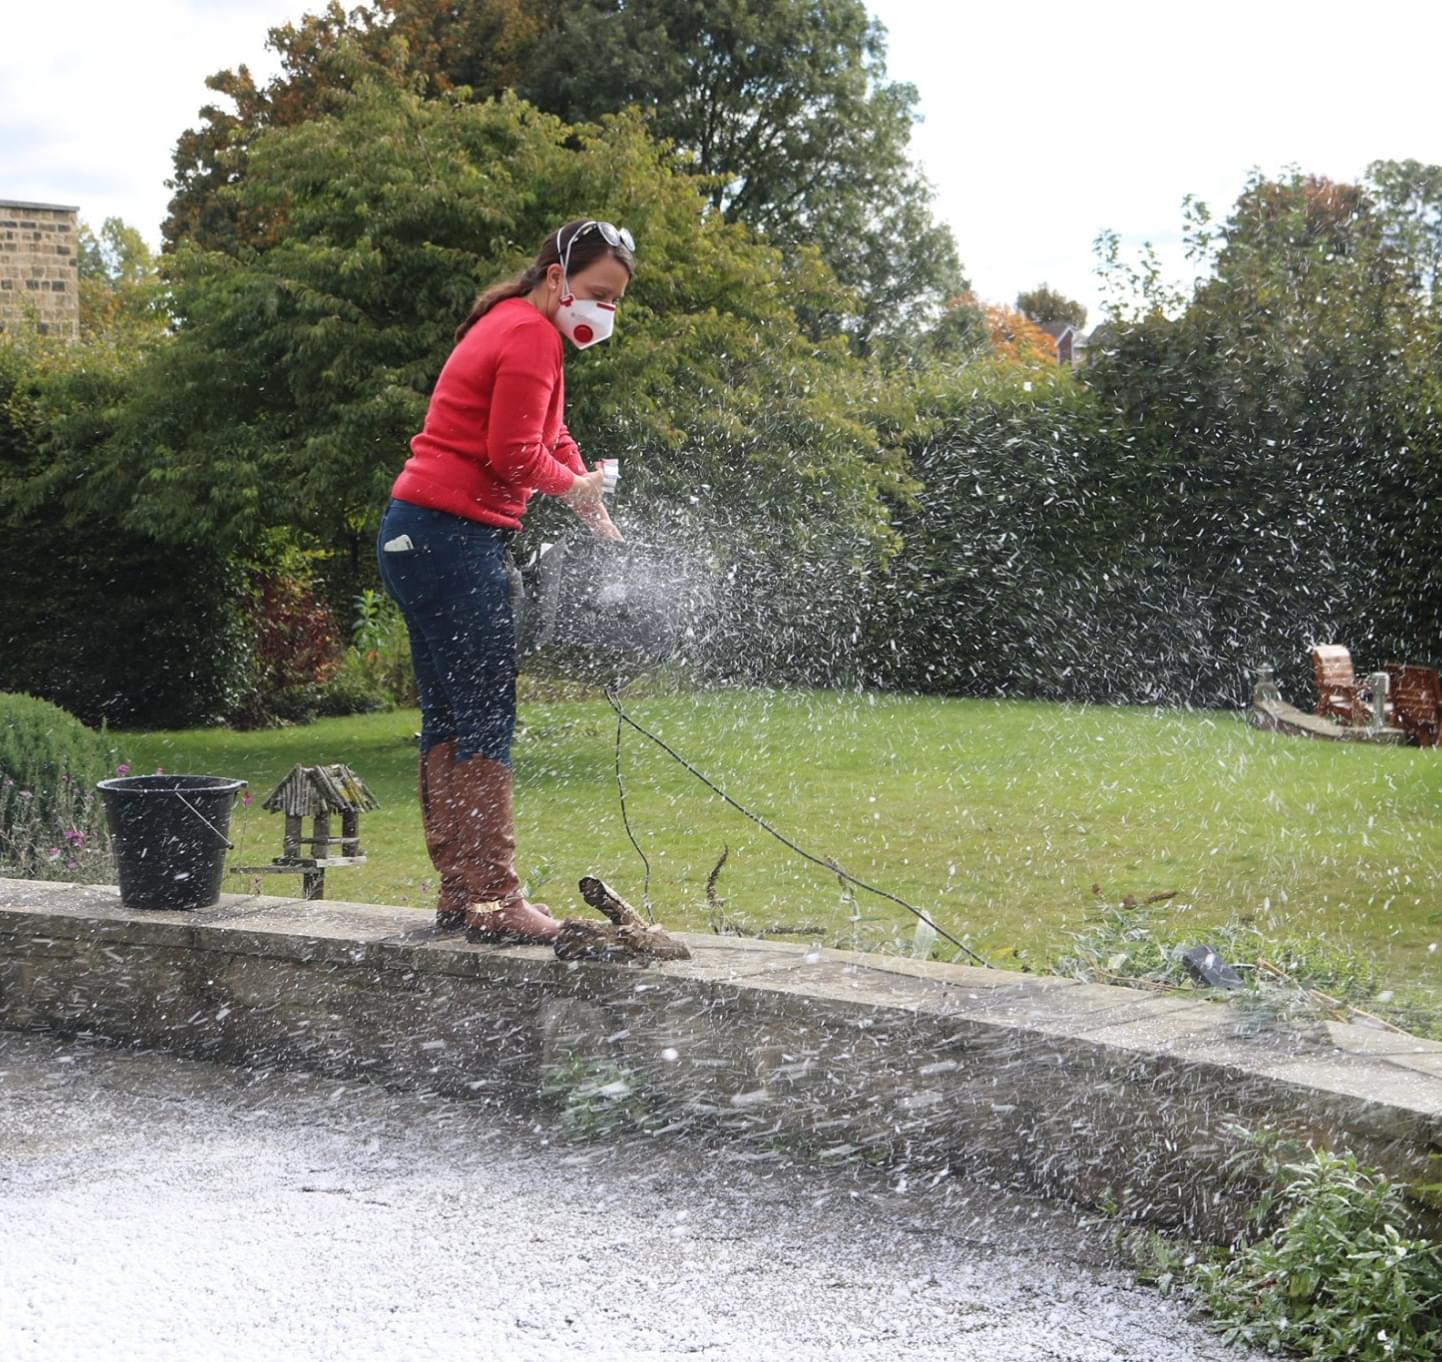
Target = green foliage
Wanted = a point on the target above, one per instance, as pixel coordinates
(599, 1100)
(783, 108)
(297, 649)
(1044, 304)
(94, 613)
(300, 370)
(380, 649)
(1013, 578)
(1118, 943)
(1342, 1276)
(1237, 475)
(1156, 1260)
(121, 297)
(373, 673)
(51, 825)
(786, 108)
(1275, 438)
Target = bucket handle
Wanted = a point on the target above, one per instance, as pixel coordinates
(229, 845)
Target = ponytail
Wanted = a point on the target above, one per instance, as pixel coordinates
(516, 287)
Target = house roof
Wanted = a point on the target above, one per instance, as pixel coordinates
(53, 207)
(1056, 330)
(310, 790)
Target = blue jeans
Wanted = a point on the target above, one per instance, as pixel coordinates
(449, 577)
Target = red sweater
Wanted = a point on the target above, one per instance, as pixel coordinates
(493, 431)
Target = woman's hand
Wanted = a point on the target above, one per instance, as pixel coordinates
(584, 498)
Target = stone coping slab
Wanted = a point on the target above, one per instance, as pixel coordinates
(1100, 1093)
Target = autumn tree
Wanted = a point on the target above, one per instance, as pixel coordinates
(1016, 338)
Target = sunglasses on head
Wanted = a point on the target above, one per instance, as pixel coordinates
(610, 234)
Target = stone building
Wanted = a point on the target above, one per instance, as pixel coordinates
(39, 267)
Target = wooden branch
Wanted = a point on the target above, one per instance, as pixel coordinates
(605, 900)
(627, 930)
(582, 939)
(1340, 1010)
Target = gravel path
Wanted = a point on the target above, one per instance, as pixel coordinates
(160, 1208)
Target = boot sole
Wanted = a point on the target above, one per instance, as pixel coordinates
(480, 936)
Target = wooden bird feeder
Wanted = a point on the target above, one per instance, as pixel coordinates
(316, 793)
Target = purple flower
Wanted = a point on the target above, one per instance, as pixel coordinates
(245, 799)
(71, 864)
(25, 794)
(123, 769)
(75, 837)
(53, 854)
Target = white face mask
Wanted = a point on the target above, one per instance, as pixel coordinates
(584, 321)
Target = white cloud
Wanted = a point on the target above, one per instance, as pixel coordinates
(92, 120)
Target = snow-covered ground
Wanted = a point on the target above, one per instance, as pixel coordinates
(159, 1208)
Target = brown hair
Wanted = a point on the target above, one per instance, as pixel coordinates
(585, 251)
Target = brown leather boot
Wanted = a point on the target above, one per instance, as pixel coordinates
(511, 919)
(438, 820)
(486, 839)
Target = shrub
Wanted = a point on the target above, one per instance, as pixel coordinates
(1341, 1276)
(95, 615)
(381, 651)
(51, 824)
(297, 648)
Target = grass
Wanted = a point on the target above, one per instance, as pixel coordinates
(998, 816)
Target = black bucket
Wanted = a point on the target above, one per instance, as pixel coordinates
(170, 835)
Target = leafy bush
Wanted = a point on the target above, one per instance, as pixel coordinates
(599, 1100)
(1342, 1276)
(297, 648)
(117, 628)
(374, 673)
(94, 615)
(381, 649)
(295, 636)
(51, 824)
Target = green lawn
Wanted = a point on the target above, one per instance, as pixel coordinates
(998, 816)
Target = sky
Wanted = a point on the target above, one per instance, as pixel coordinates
(1043, 122)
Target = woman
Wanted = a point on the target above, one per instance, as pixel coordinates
(494, 434)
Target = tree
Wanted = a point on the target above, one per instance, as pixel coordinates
(1283, 441)
(300, 369)
(787, 109)
(99, 618)
(1017, 339)
(1044, 304)
(783, 106)
(120, 291)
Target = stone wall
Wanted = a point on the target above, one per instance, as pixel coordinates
(39, 268)
(1109, 1097)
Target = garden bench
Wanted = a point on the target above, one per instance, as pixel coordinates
(1416, 698)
